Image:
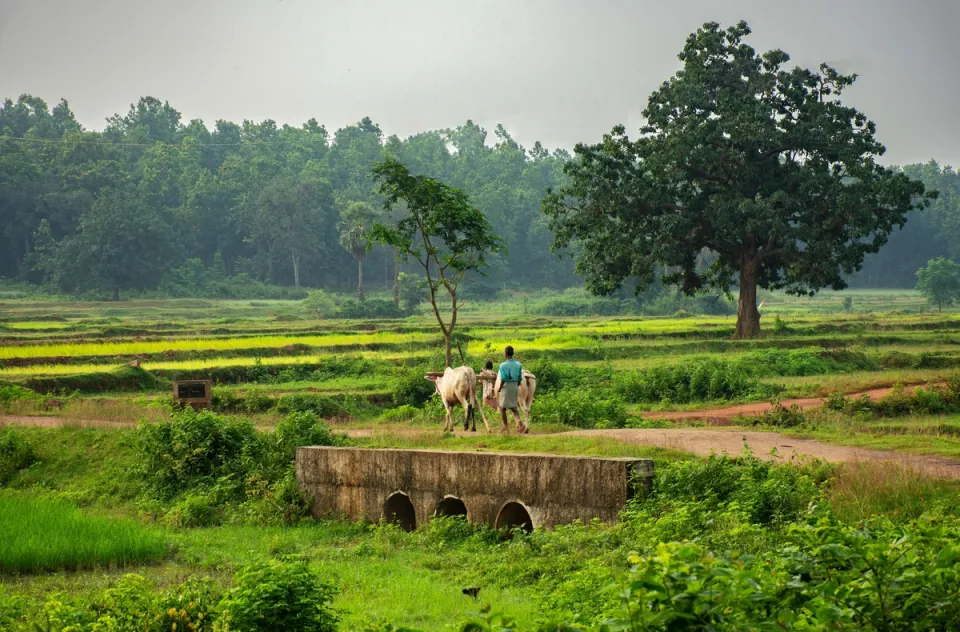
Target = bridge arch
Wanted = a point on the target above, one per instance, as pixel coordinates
(398, 510)
(451, 506)
(514, 514)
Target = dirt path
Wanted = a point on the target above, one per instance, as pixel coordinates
(695, 440)
(704, 442)
(723, 416)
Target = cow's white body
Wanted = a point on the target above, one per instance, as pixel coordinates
(459, 386)
(528, 387)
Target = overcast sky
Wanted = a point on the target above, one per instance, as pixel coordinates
(558, 71)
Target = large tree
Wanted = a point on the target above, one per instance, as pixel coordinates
(760, 163)
(441, 230)
(122, 243)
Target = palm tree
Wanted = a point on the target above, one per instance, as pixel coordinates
(354, 227)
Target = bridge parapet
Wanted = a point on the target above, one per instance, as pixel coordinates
(495, 488)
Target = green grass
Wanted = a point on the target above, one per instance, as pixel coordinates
(42, 535)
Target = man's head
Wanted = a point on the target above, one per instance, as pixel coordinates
(508, 352)
(488, 366)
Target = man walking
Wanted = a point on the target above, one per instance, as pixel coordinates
(510, 375)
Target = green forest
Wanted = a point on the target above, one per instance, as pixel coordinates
(153, 204)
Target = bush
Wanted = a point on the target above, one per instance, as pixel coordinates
(580, 407)
(697, 381)
(370, 308)
(279, 595)
(320, 304)
(410, 388)
(404, 412)
(195, 448)
(780, 417)
(322, 405)
(10, 393)
(766, 492)
(299, 429)
(828, 576)
(16, 453)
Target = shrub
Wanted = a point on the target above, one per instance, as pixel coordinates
(580, 407)
(369, 308)
(780, 417)
(321, 405)
(410, 388)
(404, 412)
(298, 429)
(10, 393)
(319, 304)
(16, 453)
(697, 381)
(279, 595)
(197, 508)
(766, 492)
(195, 448)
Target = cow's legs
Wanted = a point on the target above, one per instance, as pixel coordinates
(468, 416)
(482, 415)
(448, 420)
(526, 418)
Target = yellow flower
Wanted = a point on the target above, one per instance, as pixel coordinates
(172, 612)
(174, 627)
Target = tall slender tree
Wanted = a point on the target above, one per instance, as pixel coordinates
(442, 231)
(355, 224)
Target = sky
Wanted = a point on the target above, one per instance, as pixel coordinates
(557, 71)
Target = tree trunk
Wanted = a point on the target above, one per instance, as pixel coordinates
(360, 278)
(448, 347)
(396, 280)
(748, 316)
(296, 271)
(116, 293)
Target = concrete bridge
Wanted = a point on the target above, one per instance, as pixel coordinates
(499, 489)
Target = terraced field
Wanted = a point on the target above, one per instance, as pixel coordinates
(215, 498)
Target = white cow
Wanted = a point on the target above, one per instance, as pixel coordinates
(459, 386)
(528, 387)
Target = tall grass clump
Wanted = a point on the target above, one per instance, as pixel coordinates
(41, 535)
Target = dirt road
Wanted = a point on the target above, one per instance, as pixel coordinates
(704, 441)
(723, 416)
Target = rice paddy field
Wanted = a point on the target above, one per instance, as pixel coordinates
(100, 535)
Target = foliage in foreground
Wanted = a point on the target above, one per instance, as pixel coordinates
(275, 595)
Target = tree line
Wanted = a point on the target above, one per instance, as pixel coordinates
(153, 202)
(747, 174)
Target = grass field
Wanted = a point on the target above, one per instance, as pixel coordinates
(50, 535)
(87, 514)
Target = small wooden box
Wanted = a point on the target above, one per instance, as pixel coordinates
(194, 393)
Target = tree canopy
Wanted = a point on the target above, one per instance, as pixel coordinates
(260, 200)
(761, 164)
(939, 282)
